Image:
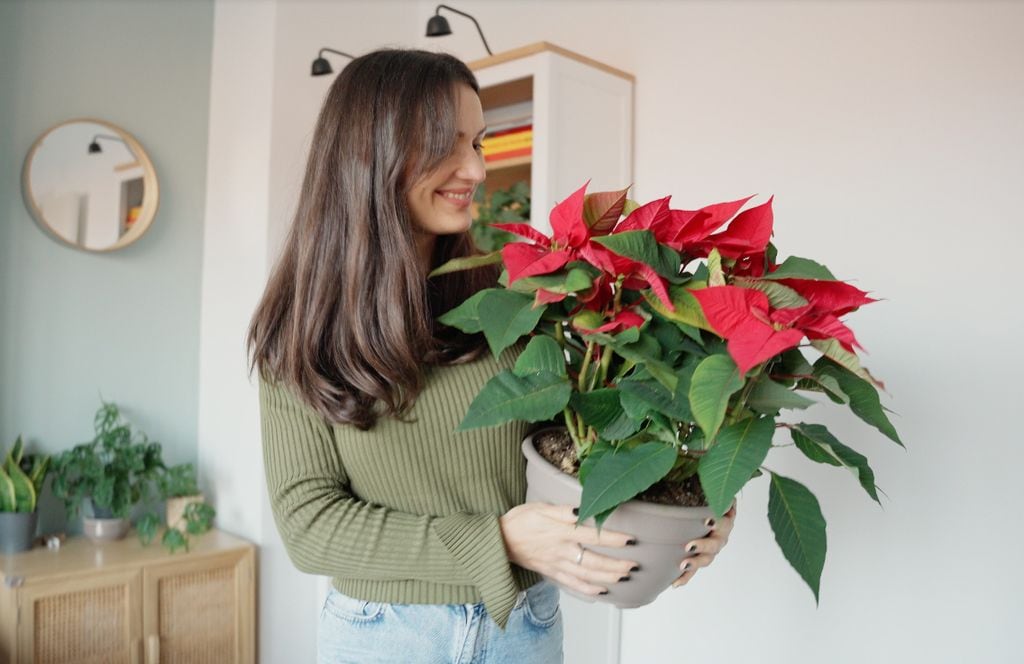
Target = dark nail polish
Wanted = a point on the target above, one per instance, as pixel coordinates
(710, 523)
(576, 511)
(625, 578)
(630, 542)
(634, 568)
(603, 592)
(691, 548)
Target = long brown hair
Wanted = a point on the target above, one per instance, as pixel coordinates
(348, 318)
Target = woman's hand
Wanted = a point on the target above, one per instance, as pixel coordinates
(546, 539)
(705, 549)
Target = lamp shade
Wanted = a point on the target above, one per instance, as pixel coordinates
(438, 26)
(321, 67)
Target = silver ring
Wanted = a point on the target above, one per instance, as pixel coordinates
(579, 556)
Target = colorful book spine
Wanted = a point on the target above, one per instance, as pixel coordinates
(508, 154)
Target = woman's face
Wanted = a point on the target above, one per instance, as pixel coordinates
(440, 201)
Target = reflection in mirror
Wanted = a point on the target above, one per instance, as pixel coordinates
(91, 185)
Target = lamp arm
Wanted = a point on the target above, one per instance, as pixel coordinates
(331, 50)
(108, 137)
(437, 12)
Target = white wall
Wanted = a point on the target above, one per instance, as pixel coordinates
(890, 134)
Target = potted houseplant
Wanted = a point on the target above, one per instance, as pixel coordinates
(186, 512)
(498, 206)
(108, 475)
(669, 349)
(21, 480)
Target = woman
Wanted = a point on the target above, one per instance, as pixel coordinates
(434, 558)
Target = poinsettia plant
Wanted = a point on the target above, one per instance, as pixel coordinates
(670, 342)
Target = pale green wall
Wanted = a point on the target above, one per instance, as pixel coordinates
(74, 325)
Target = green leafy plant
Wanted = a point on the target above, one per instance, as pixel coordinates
(499, 206)
(179, 481)
(115, 470)
(21, 479)
(120, 468)
(196, 519)
(670, 349)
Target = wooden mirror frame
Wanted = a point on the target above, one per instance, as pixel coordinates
(150, 198)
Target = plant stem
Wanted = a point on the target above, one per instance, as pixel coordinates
(746, 393)
(586, 365)
(571, 426)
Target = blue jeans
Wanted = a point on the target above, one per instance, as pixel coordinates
(354, 631)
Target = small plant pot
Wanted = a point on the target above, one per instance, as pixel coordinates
(661, 531)
(175, 510)
(105, 530)
(17, 530)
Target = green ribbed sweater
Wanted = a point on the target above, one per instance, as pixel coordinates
(408, 511)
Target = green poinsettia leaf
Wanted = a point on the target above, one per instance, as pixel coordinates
(642, 247)
(573, 281)
(799, 527)
(466, 317)
(641, 396)
(716, 277)
(505, 316)
(862, 396)
(795, 267)
(730, 463)
(818, 444)
(597, 450)
(508, 397)
(620, 475)
(542, 354)
(645, 352)
(601, 210)
(602, 410)
(467, 263)
(715, 379)
(768, 397)
(688, 312)
(779, 296)
(832, 349)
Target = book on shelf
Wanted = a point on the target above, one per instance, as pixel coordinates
(517, 137)
(495, 157)
(509, 116)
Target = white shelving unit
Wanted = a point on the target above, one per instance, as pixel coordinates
(582, 122)
(582, 129)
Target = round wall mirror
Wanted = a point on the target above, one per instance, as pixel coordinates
(89, 184)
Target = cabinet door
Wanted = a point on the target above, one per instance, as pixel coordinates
(94, 619)
(200, 611)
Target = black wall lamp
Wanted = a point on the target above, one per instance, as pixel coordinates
(438, 26)
(94, 147)
(321, 67)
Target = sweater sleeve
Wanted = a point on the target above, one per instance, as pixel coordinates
(328, 530)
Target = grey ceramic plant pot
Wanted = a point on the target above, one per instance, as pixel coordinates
(17, 530)
(661, 531)
(104, 530)
(102, 525)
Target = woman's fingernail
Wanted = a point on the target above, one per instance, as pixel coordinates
(630, 542)
(576, 511)
(634, 568)
(710, 523)
(684, 567)
(625, 578)
(692, 548)
(603, 592)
